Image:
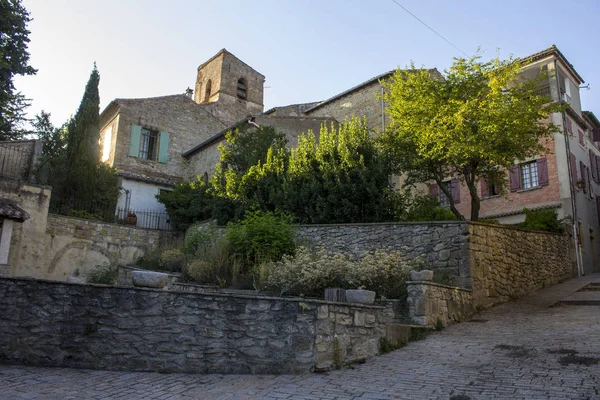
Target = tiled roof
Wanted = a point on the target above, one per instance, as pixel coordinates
(149, 179)
(300, 107)
(214, 138)
(10, 209)
(352, 89)
(549, 51)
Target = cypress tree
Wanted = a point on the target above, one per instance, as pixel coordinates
(83, 135)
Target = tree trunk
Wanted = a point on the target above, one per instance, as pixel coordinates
(448, 194)
(475, 201)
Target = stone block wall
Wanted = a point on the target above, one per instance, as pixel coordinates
(90, 326)
(443, 245)
(430, 303)
(507, 263)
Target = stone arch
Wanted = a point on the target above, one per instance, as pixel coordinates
(84, 246)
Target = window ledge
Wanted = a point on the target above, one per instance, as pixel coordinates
(530, 189)
(491, 197)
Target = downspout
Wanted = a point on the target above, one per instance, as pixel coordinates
(571, 182)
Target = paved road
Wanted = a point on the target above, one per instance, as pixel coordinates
(521, 350)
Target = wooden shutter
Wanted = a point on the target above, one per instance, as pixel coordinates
(163, 147)
(581, 140)
(434, 190)
(574, 168)
(134, 141)
(593, 166)
(598, 168)
(485, 191)
(583, 176)
(569, 125)
(542, 168)
(455, 190)
(515, 178)
(596, 134)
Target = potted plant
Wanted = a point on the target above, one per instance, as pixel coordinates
(360, 296)
(131, 218)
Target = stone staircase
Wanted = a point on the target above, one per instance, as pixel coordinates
(589, 295)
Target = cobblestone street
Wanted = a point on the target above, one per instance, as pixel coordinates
(520, 350)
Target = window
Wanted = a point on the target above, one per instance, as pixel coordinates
(444, 200)
(580, 134)
(489, 189)
(454, 189)
(529, 175)
(149, 145)
(207, 90)
(241, 89)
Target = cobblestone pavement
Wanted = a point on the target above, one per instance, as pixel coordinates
(521, 350)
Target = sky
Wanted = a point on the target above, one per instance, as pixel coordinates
(308, 50)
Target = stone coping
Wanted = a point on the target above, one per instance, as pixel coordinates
(125, 226)
(514, 228)
(426, 223)
(166, 291)
(149, 270)
(431, 283)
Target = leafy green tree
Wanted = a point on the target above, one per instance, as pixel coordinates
(472, 122)
(14, 60)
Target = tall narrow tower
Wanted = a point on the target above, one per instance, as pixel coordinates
(232, 84)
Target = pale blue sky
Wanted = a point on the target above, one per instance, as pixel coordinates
(308, 50)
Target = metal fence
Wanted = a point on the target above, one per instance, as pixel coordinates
(15, 161)
(108, 212)
(151, 219)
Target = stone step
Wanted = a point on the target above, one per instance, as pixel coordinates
(398, 335)
(582, 298)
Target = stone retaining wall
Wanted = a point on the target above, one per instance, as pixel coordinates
(431, 304)
(507, 263)
(443, 245)
(60, 324)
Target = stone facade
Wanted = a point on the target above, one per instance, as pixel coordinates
(186, 122)
(88, 326)
(226, 72)
(431, 304)
(443, 246)
(508, 263)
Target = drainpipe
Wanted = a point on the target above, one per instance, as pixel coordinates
(571, 181)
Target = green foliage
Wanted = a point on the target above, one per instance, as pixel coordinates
(244, 149)
(14, 60)
(425, 208)
(103, 275)
(260, 237)
(472, 122)
(82, 186)
(542, 220)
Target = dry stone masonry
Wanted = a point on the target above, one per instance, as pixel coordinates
(90, 326)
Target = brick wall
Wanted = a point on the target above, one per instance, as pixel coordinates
(99, 327)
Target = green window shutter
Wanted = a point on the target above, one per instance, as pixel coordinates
(134, 143)
(163, 149)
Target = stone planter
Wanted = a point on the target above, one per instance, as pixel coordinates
(360, 296)
(149, 279)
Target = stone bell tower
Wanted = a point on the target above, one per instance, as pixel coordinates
(232, 86)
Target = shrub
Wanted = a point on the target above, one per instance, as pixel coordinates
(542, 220)
(309, 273)
(171, 260)
(103, 275)
(259, 237)
(426, 208)
(200, 235)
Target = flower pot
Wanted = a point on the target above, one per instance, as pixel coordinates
(131, 220)
(360, 296)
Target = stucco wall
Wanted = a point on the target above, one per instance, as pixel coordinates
(142, 195)
(507, 263)
(87, 326)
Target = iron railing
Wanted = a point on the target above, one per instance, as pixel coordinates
(15, 161)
